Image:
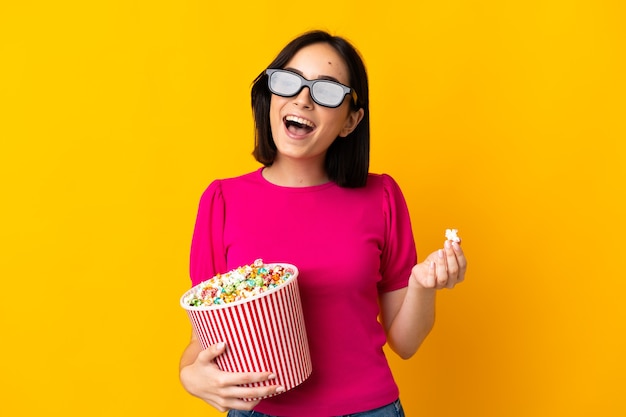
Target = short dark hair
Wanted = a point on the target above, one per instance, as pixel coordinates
(347, 160)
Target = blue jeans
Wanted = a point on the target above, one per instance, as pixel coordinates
(392, 410)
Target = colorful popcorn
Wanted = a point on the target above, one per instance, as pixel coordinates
(240, 283)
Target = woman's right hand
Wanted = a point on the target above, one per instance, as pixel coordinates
(203, 379)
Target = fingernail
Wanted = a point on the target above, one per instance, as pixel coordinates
(447, 244)
(440, 253)
(272, 376)
(432, 265)
(219, 345)
(280, 389)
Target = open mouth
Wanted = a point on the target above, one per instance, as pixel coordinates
(298, 125)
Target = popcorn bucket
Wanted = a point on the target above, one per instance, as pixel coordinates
(263, 333)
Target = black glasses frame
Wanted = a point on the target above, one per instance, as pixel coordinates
(309, 83)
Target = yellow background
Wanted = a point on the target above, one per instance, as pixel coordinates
(505, 119)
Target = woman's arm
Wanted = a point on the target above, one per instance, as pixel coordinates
(414, 319)
(408, 314)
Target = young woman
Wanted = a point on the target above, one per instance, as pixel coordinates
(314, 204)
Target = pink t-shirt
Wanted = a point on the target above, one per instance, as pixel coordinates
(349, 244)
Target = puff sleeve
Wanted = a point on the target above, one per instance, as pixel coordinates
(207, 256)
(399, 254)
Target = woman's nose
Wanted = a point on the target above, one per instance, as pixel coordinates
(303, 98)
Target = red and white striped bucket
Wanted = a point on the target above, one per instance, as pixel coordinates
(262, 333)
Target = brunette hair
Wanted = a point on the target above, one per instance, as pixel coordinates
(347, 160)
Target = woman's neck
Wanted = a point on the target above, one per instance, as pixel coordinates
(289, 174)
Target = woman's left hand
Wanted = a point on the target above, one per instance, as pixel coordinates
(443, 268)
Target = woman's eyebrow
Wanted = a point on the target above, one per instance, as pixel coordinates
(321, 77)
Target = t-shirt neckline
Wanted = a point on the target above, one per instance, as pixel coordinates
(329, 184)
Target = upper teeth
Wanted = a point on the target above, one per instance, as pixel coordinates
(299, 120)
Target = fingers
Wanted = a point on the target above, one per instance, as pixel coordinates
(450, 265)
(431, 275)
(461, 262)
(208, 355)
(233, 390)
(248, 392)
(443, 268)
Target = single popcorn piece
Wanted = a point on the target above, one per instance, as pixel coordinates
(451, 234)
(238, 284)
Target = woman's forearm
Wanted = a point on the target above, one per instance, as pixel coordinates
(413, 321)
(190, 353)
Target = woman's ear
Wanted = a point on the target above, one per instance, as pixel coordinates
(352, 121)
